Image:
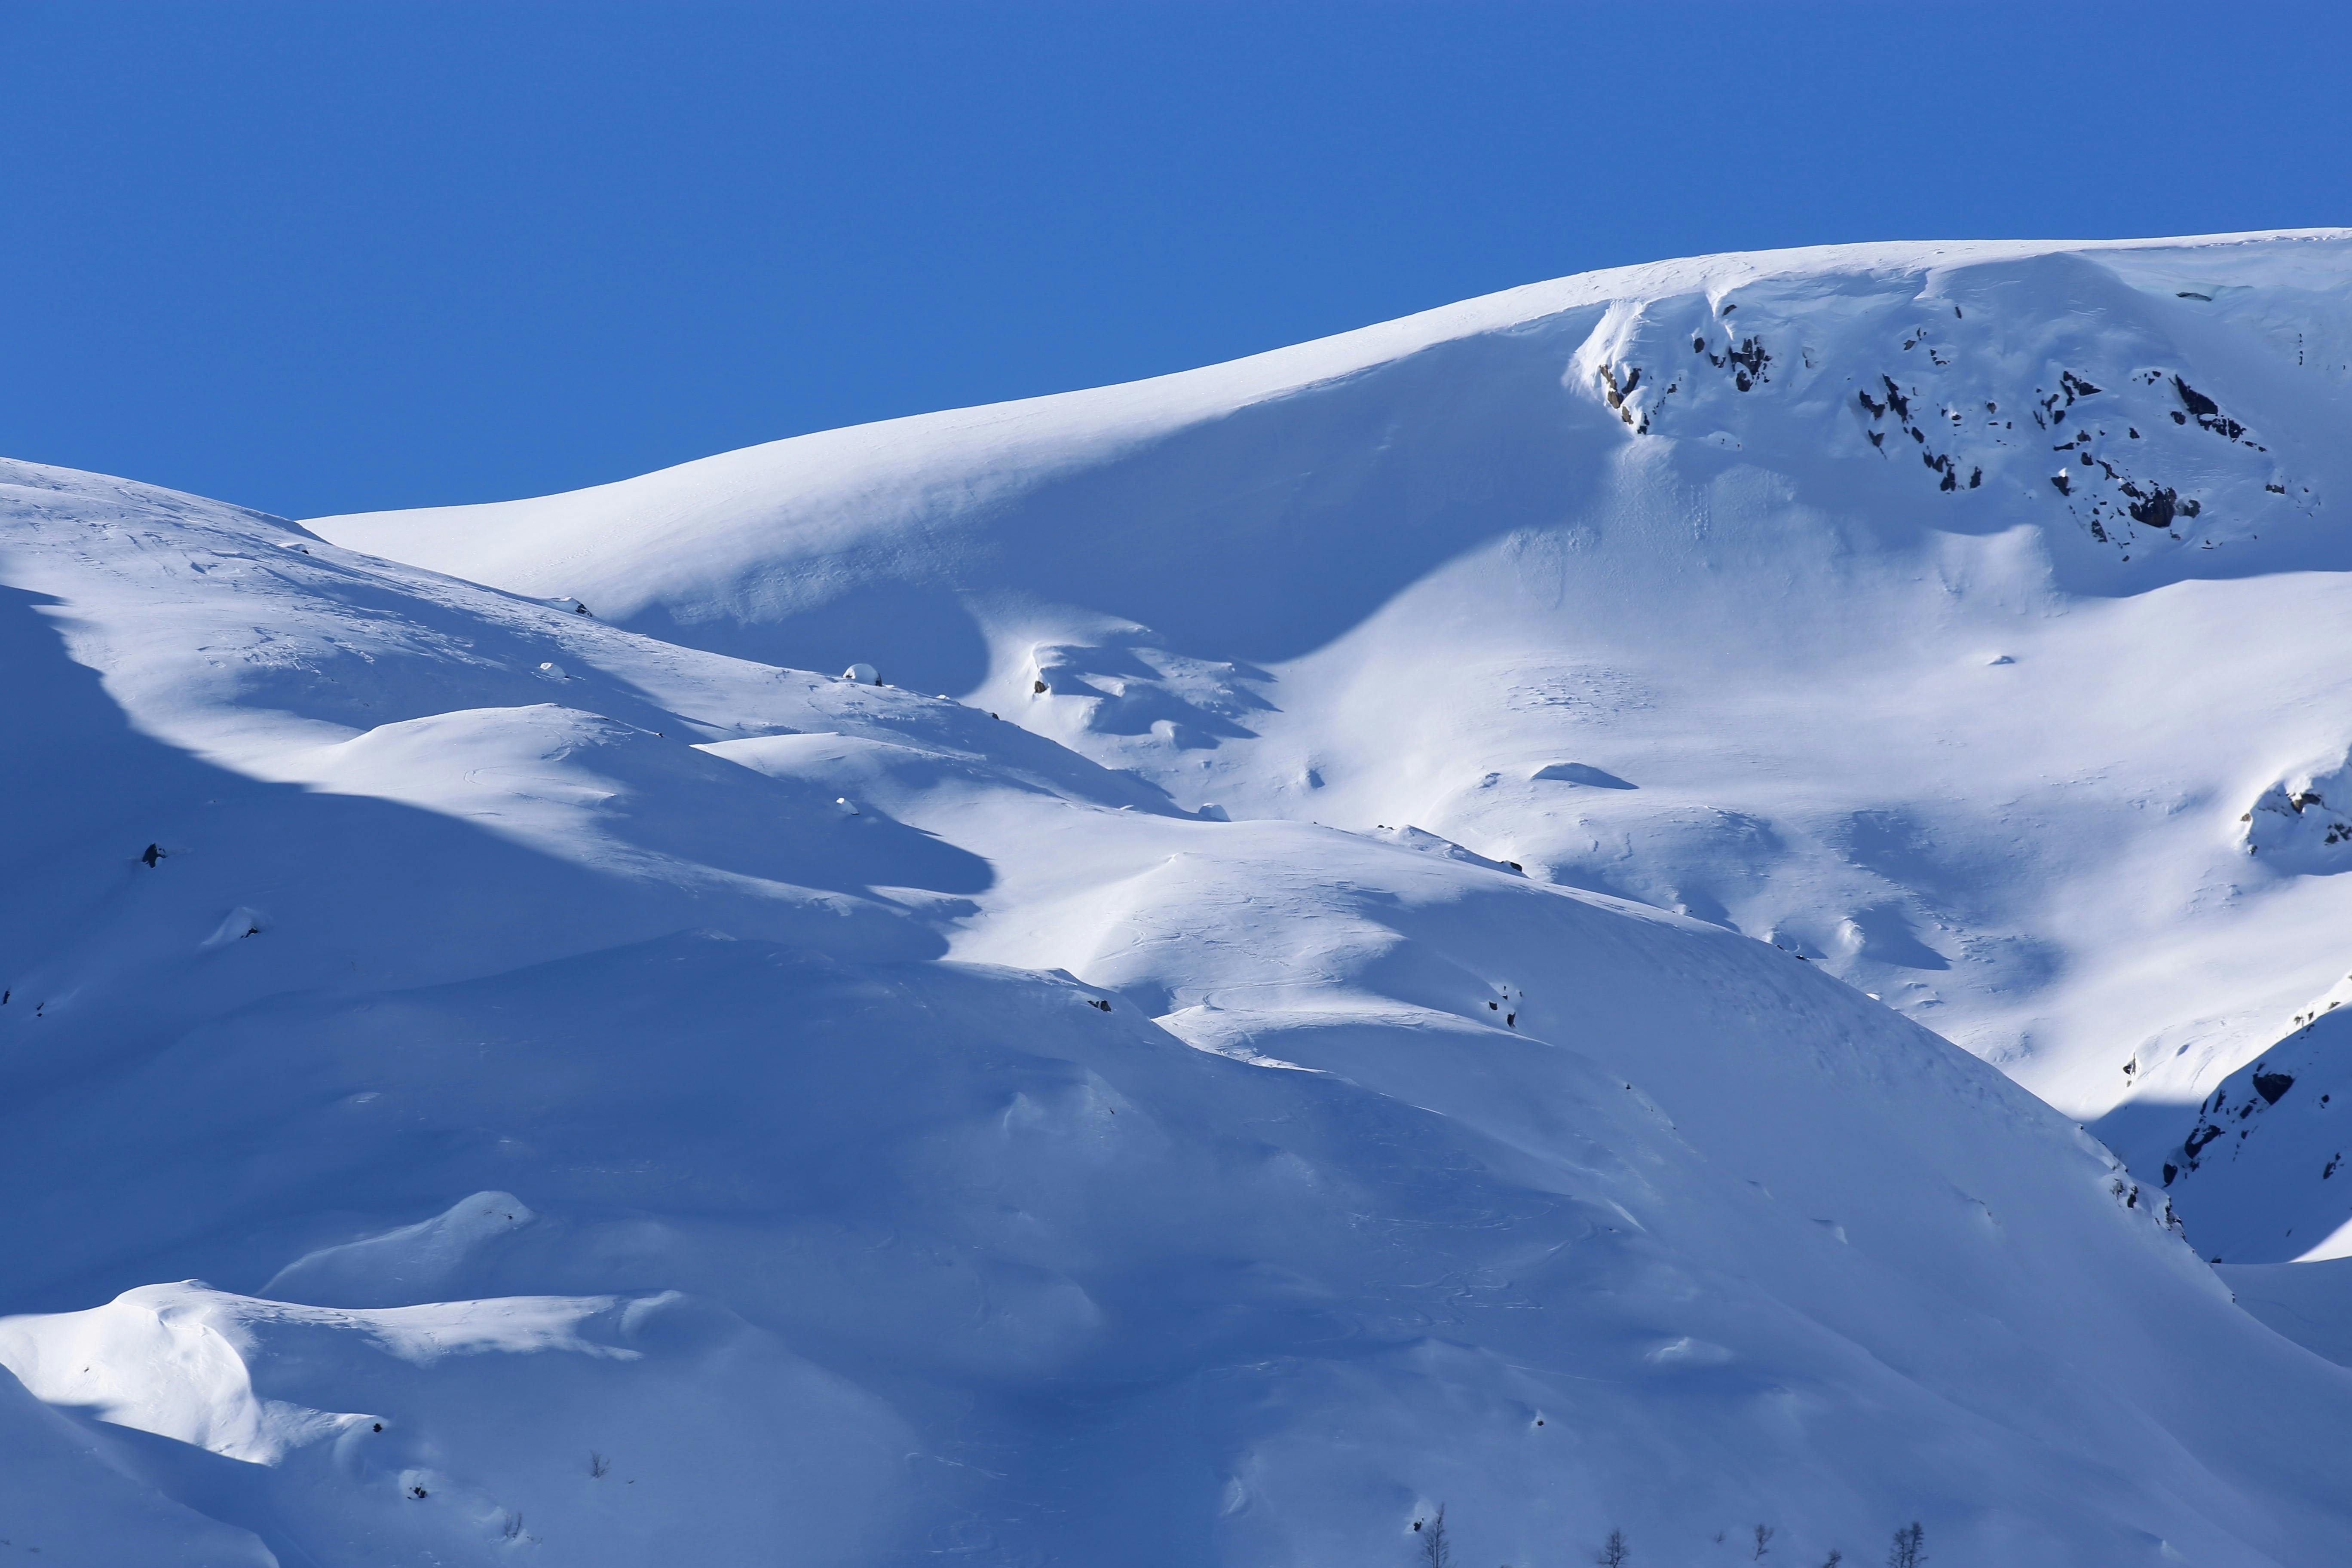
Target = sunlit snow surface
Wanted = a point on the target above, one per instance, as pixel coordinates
(560, 1094)
(1967, 618)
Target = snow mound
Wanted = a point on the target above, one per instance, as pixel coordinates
(480, 1415)
(416, 1262)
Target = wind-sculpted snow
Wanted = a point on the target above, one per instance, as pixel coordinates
(484, 1083)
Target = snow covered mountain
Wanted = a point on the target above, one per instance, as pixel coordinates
(489, 1081)
(1960, 617)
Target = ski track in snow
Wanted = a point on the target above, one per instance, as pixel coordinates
(1283, 1045)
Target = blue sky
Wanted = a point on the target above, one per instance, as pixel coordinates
(328, 257)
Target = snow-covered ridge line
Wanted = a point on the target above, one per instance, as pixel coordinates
(1130, 411)
(1131, 408)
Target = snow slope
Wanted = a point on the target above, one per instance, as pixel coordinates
(1956, 614)
(484, 1084)
(685, 1109)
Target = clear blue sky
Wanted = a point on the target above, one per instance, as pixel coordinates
(325, 256)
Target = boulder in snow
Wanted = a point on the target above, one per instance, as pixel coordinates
(2300, 823)
(242, 922)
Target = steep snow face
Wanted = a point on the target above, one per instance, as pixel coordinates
(2261, 1169)
(1953, 614)
(665, 1106)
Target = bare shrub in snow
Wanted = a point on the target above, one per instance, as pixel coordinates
(1436, 1552)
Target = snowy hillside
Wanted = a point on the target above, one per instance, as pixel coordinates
(495, 1074)
(1960, 617)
